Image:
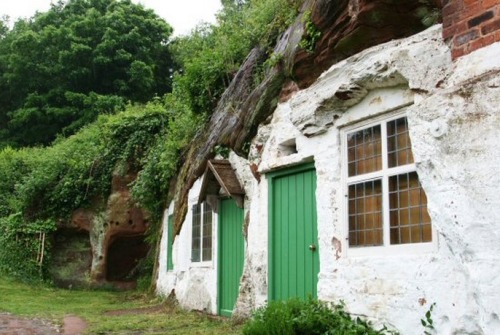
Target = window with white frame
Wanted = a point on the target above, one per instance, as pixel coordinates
(386, 205)
(201, 243)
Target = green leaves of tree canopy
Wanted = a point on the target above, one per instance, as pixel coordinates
(82, 58)
(211, 55)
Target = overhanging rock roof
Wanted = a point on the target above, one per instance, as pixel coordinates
(220, 174)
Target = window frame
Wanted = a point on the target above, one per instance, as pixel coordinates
(201, 262)
(386, 249)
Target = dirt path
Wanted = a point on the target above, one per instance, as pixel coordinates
(13, 325)
(73, 325)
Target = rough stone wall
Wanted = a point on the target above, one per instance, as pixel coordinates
(117, 217)
(454, 123)
(166, 280)
(452, 110)
(194, 284)
(458, 156)
(253, 288)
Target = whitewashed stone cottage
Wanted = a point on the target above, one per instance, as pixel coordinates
(378, 186)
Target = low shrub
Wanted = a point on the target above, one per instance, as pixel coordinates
(307, 317)
(24, 247)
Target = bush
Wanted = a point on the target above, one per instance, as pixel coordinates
(307, 317)
(24, 247)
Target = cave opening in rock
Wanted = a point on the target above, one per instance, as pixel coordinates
(124, 254)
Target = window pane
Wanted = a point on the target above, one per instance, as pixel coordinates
(364, 151)
(398, 143)
(409, 219)
(207, 232)
(196, 234)
(207, 254)
(195, 250)
(365, 214)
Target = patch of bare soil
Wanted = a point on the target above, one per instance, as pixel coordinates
(14, 325)
(74, 325)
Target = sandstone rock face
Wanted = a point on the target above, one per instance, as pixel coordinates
(350, 26)
(114, 235)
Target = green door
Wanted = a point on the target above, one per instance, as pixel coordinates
(293, 245)
(170, 234)
(231, 254)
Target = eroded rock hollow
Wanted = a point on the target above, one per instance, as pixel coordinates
(103, 244)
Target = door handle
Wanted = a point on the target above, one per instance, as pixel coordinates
(312, 247)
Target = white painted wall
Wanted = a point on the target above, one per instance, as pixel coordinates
(194, 283)
(454, 119)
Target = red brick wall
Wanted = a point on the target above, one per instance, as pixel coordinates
(470, 24)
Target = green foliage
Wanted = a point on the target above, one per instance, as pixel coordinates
(428, 14)
(211, 55)
(75, 171)
(431, 18)
(428, 322)
(273, 60)
(63, 177)
(13, 166)
(132, 134)
(24, 247)
(150, 189)
(80, 59)
(223, 151)
(309, 317)
(4, 28)
(311, 33)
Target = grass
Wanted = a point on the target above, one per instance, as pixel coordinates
(106, 312)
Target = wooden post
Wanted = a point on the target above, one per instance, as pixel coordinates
(42, 249)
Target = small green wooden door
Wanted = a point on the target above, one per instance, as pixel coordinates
(170, 237)
(231, 254)
(293, 249)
